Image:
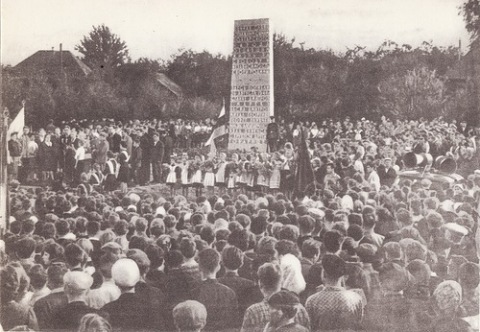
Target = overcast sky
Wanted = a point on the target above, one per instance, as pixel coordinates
(158, 28)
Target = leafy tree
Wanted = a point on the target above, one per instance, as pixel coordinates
(471, 14)
(103, 51)
(418, 93)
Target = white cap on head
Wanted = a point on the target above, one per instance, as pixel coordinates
(125, 272)
(77, 280)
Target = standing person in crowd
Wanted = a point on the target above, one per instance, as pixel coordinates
(283, 308)
(15, 151)
(136, 161)
(76, 285)
(156, 157)
(334, 307)
(48, 159)
(99, 154)
(220, 301)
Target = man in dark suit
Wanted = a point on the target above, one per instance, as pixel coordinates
(156, 157)
(76, 286)
(47, 307)
(154, 300)
(129, 312)
(246, 290)
(386, 173)
(220, 300)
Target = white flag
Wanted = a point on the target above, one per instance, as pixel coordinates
(17, 124)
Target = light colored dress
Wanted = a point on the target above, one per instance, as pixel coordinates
(184, 175)
(209, 179)
(172, 176)
(220, 175)
(276, 176)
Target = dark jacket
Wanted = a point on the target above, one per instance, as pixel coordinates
(245, 290)
(47, 307)
(221, 303)
(136, 157)
(14, 148)
(68, 317)
(156, 152)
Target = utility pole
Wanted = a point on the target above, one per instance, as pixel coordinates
(3, 171)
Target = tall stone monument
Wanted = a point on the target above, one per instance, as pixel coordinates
(251, 98)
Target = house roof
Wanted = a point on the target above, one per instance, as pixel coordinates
(169, 84)
(50, 61)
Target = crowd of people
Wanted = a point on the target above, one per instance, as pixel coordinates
(360, 249)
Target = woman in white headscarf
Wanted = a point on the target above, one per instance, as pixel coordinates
(292, 278)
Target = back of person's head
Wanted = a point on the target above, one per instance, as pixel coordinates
(38, 276)
(125, 273)
(75, 255)
(269, 277)
(332, 241)
(207, 233)
(367, 253)
(285, 301)
(285, 247)
(240, 239)
(188, 247)
(415, 250)
(311, 248)
(106, 262)
(356, 277)
(174, 259)
(141, 259)
(232, 258)
(393, 251)
(355, 232)
(170, 221)
(420, 272)
(141, 225)
(138, 242)
(94, 323)
(209, 260)
(93, 227)
(76, 283)
(306, 224)
(258, 224)
(289, 232)
(62, 226)
(189, 316)
(404, 217)
(244, 220)
(369, 217)
(25, 247)
(468, 276)
(155, 254)
(333, 267)
(55, 275)
(10, 284)
(121, 227)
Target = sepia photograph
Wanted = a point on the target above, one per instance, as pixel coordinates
(240, 166)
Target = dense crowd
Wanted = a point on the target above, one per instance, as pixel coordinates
(360, 249)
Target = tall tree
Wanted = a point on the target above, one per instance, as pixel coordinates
(471, 14)
(103, 51)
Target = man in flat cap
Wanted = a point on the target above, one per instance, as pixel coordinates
(76, 287)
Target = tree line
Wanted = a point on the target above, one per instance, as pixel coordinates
(394, 80)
